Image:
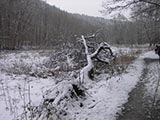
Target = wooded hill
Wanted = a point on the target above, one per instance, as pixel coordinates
(36, 24)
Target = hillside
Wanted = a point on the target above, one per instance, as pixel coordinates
(39, 24)
(36, 24)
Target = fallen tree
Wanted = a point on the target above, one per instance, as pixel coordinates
(58, 101)
(86, 72)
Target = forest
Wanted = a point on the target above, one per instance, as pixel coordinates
(36, 24)
(57, 65)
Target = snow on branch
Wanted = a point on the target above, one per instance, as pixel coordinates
(94, 35)
(86, 73)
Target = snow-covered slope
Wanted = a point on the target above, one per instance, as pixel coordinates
(20, 92)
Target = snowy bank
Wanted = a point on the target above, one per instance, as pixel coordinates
(150, 55)
(104, 98)
(110, 95)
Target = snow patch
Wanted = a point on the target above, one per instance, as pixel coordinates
(150, 55)
(110, 95)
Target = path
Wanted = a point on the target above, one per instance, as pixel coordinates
(144, 100)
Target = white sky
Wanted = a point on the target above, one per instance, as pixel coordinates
(87, 7)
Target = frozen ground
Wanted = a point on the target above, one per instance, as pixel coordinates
(144, 100)
(16, 83)
(21, 92)
(111, 94)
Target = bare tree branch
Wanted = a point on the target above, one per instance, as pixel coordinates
(86, 72)
(109, 8)
(150, 2)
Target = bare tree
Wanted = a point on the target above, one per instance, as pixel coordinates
(145, 14)
(120, 5)
(86, 72)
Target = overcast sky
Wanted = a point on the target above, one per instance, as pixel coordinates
(87, 7)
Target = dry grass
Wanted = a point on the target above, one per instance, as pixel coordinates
(124, 60)
(127, 59)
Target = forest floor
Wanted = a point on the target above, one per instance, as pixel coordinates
(25, 83)
(144, 100)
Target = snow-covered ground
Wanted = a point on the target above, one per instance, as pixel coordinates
(150, 55)
(143, 102)
(110, 95)
(152, 86)
(16, 85)
(19, 90)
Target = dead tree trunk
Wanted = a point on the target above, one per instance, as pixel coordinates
(86, 73)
